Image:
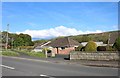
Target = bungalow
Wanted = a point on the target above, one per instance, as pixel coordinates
(39, 47)
(63, 45)
(59, 46)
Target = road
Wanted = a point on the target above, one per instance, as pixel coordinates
(25, 67)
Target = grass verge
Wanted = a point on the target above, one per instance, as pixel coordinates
(32, 53)
(9, 53)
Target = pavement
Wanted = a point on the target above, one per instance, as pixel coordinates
(19, 66)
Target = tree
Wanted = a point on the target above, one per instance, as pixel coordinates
(86, 38)
(117, 44)
(18, 42)
(79, 48)
(27, 39)
(39, 41)
(91, 46)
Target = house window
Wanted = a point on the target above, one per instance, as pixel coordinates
(62, 48)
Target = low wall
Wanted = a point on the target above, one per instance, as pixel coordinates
(94, 55)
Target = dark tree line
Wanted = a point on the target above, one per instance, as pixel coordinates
(16, 40)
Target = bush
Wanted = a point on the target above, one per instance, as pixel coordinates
(91, 46)
(117, 44)
(101, 48)
(79, 48)
(110, 48)
(26, 47)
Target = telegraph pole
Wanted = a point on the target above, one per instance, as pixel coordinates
(109, 39)
(12, 43)
(7, 36)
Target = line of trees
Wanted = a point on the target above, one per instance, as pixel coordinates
(16, 40)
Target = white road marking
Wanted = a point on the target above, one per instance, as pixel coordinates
(43, 75)
(7, 67)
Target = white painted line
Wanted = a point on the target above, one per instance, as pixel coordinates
(43, 75)
(7, 67)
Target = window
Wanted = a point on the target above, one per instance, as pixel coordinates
(62, 48)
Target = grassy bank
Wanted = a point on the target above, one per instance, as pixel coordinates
(32, 53)
(9, 53)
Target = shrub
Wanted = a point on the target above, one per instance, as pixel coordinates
(79, 48)
(110, 48)
(26, 47)
(101, 48)
(117, 44)
(91, 46)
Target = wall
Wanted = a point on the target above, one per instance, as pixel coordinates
(64, 51)
(94, 55)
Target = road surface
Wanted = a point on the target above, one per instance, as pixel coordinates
(24, 67)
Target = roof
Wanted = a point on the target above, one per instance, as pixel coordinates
(42, 45)
(98, 43)
(63, 42)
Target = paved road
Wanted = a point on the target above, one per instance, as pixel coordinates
(24, 67)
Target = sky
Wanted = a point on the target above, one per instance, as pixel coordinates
(44, 20)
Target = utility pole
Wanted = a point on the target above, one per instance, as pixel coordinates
(46, 52)
(109, 39)
(12, 43)
(7, 36)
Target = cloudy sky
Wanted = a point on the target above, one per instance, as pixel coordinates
(52, 19)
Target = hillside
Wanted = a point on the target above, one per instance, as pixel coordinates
(96, 36)
(87, 37)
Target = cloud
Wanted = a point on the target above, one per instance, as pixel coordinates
(55, 32)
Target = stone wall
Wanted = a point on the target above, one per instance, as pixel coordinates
(94, 55)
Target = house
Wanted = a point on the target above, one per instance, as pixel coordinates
(39, 47)
(63, 45)
(59, 45)
(98, 43)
